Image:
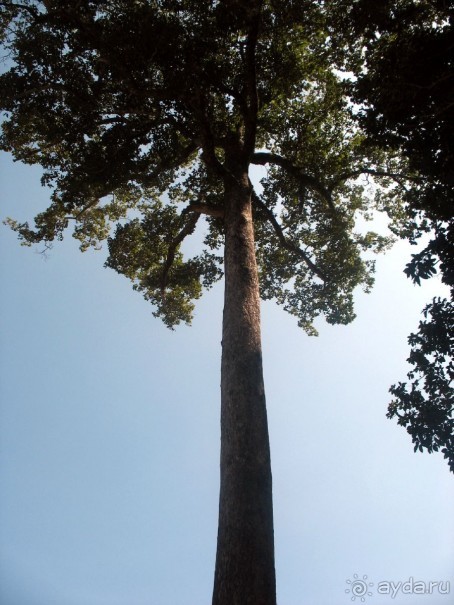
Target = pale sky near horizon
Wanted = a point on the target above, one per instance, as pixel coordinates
(109, 439)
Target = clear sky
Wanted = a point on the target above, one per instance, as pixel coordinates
(110, 439)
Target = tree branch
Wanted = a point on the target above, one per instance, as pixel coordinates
(147, 180)
(167, 164)
(208, 209)
(285, 243)
(198, 105)
(251, 79)
(261, 158)
(239, 98)
(392, 175)
(186, 230)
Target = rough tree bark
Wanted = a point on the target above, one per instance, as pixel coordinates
(244, 573)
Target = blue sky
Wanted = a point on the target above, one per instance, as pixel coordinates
(110, 439)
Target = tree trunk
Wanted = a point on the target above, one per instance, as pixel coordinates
(244, 572)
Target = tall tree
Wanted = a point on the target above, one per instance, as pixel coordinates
(147, 116)
(406, 99)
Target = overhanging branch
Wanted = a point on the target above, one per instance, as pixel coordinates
(262, 157)
(397, 177)
(285, 243)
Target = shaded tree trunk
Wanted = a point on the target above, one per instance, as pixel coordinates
(244, 572)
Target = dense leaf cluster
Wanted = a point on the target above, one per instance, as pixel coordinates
(425, 408)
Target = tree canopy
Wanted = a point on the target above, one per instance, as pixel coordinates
(136, 135)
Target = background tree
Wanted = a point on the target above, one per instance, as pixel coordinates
(405, 90)
(148, 116)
